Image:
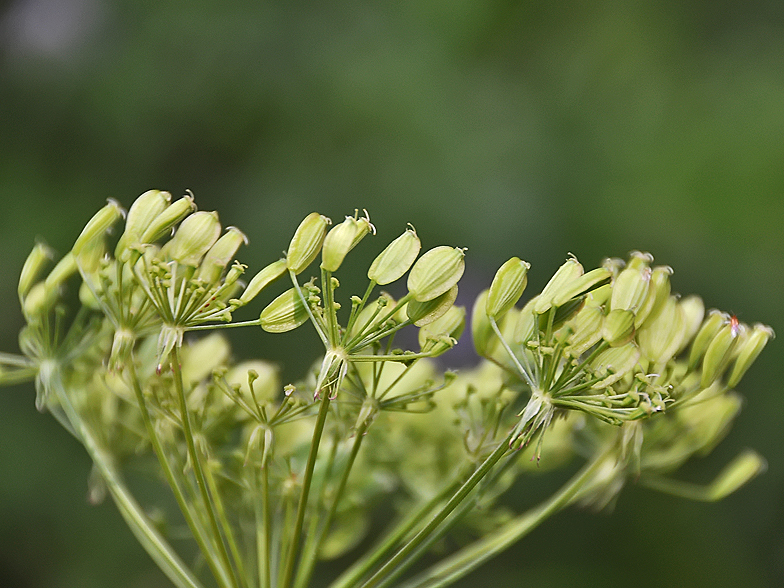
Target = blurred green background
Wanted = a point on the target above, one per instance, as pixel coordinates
(511, 128)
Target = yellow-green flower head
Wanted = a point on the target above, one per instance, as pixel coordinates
(194, 238)
(306, 242)
(436, 272)
(396, 259)
(343, 238)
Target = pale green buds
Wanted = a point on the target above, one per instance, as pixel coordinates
(436, 272)
(423, 313)
(193, 239)
(285, 313)
(693, 312)
(306, 242)
(658, 294)
(614, 363)
(220, 255)
(507, 287)
(482, 333)
(618, 327)
(167, 219)
(740, 470)
(630, 288)
(33, 266)
(563, 277)
(719, 351)
(581, 285)
(442, 334)
(586, 330)
(396, 259)
(660, 338)
(144, 210)
(98, 226)
(750, 348)
(343, 238)
(716, 319)
(262, 279)
(64, 269)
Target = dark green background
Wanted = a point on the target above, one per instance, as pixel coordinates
(511, 128)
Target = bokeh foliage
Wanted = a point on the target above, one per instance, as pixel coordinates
(512, 128)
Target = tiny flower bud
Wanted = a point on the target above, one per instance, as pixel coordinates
(38, 301)
(97, 226)
(482, 333)
(716, 319)
(285, 313)
(396, 259)
(306, 242)
(341, 239)
(526, 324)
(436, 272)
(630, 288)
(220, 255)
(507, 287)
(33, 266)
(194, 237)
(166, 220)
(561, 280)
(586, 330)
(749, 351)
(423, 313)
(740, 470)
(144, 210)
(263, 279)
(618, 327)
(719, 352)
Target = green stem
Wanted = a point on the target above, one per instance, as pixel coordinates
(198, 470)
(263, 529)
(144, 531)
(469, 558)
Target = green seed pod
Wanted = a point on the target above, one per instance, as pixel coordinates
(526, 324)
(618, 327)
(285, 313)
(423, 313)
(167, 219)
(658, 294)
(33, 267)
(599, 296)
(482, 333)
(507, 287)
(693, 312)
(639, 260)
(740, 470)
(97, 227)
(87, 297)
(614, 265)
(749, 350)
(660, 338)
(220, 255)
(262, 279)
(195, 236)
(396, 259)
(436, 272)
(719, 352)
(710, 326)
(144, 210)
(64, 269)
(38, 301)
(341, 239)
(306, 242)
(614, 363)
(581, 285)
(630, 288)
(561, 280)
(442, 334)
(586, 330)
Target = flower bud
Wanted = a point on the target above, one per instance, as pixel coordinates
(639, 260)
(630, 288)
(193, 238)
(614, 363)
(285, 313)
(507, 287)
(581, 285)
(719, 352)
(97, 226)
(423, 313)
(740, 470)
(306, 242)
(658, 294)
(442, 334)
(693, 312)
(220, 255)
(436, 272)
(341, 239)
(749, 350)
(586, 330)
(618, 327)
(64, 269)
(660, 338)
(526, 323)
(482, 333)
(262, 279)
(144, 210)
(716, 319)
(38, 301)
(33, 266)
(562, 279)
(167, 219)
(396, 259)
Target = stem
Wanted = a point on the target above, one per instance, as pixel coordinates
(469, 558)
(526, 376)
(198, 471)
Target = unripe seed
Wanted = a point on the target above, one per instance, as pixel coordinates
(507, 287)
(306, 242)
(396, 259)
(285, 313)
(436, 272)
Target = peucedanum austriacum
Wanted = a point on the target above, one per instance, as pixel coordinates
(269, 479)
